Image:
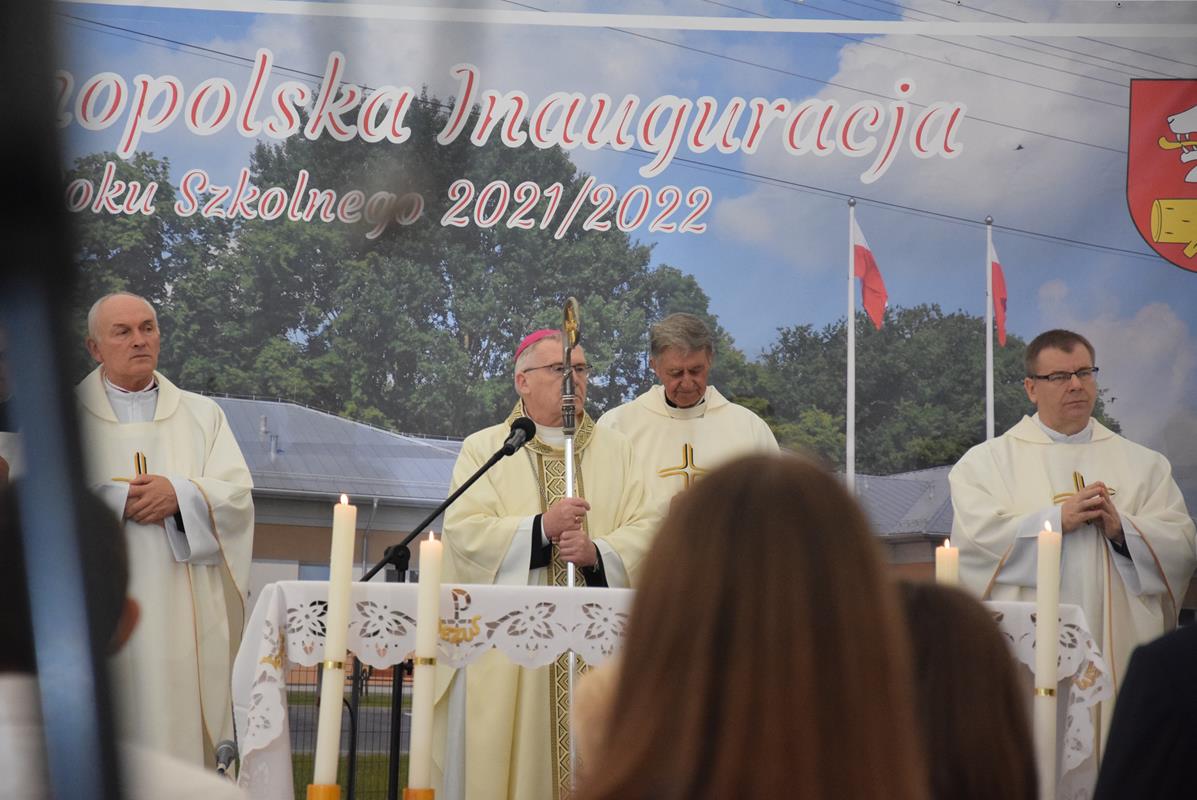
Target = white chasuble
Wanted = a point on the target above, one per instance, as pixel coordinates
(512, 731)
(1004, 489)
(172, 678)
(677, 446)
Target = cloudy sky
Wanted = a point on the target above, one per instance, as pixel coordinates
(1043, 150)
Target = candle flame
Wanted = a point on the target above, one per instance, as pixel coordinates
(947, 543)
(344, 500)
(1047, 526)
(432, 536)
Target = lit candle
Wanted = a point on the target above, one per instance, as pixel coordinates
(424, 676)
(336, 623)
(1047, 645)
(947, 564)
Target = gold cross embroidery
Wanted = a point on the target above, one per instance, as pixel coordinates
(688, 470)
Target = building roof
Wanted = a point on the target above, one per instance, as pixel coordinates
(300, 451)
(295, 450)
(916, 502)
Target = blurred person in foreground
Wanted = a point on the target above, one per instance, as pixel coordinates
(10, 442)
(146, 774)
(971, 706)
(1153, 739)
(782, 675)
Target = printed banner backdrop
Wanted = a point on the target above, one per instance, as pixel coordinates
(363, 207)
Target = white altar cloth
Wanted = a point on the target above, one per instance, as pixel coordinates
(1083, 681)
(532, 625)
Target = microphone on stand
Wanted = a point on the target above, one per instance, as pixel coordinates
(522, 430)
(226, 752)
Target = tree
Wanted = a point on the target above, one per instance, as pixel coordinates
(920, 393)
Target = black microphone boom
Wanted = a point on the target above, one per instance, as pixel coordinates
(522, 430)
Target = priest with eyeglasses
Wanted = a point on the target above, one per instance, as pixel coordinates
(1128, 540)
(517, 527)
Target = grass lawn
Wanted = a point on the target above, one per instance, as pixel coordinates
(371, 775)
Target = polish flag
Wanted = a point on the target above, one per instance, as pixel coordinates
(999, 295)
(872, 287)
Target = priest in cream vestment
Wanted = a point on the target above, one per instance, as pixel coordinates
(684, 427)
(166, 462)
(1128, 544)
(515, 527)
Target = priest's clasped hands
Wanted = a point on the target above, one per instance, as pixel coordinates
(562, 525)
(1092, 505)
(151, 499)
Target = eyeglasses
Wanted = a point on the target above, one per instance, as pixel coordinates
(1086, 374)
(580, 370)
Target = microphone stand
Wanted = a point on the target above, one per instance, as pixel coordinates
(399, 557)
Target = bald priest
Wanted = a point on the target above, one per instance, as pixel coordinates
(165, 461)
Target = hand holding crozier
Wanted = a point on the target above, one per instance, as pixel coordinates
(576, 548)
(565, 514)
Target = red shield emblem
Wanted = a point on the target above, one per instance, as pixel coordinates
(1161, 167)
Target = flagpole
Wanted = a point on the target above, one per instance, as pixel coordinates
(850, 438)
(988, 328)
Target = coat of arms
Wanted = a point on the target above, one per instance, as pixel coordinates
(1161, 167)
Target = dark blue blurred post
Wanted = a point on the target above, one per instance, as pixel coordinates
(35, 293)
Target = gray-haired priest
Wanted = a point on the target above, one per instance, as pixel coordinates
(684, 427)
(1128, 540)
(515, 527)
(166, 462)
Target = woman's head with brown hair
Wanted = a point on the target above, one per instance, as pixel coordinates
(972, 708)
(766, 655)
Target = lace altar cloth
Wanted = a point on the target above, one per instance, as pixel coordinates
(1083, 681)
(532, 625)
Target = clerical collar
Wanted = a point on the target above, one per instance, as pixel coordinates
(677, 412)
(139, 406)
(553, 437)
(1083, 436)
(152, 386)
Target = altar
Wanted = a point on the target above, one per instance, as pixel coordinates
(532, 625)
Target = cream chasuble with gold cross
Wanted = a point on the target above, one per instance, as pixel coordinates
(1004, 489)
(516, 719)
(173, 676)
(677, 446)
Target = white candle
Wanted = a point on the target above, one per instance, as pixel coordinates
(947, 564)
(1047, 645)
(336, 624)
(419, 774)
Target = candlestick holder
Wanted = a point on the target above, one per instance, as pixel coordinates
(324, 791)
(419, 794)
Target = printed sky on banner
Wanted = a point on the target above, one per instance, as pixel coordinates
(1041, 148)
